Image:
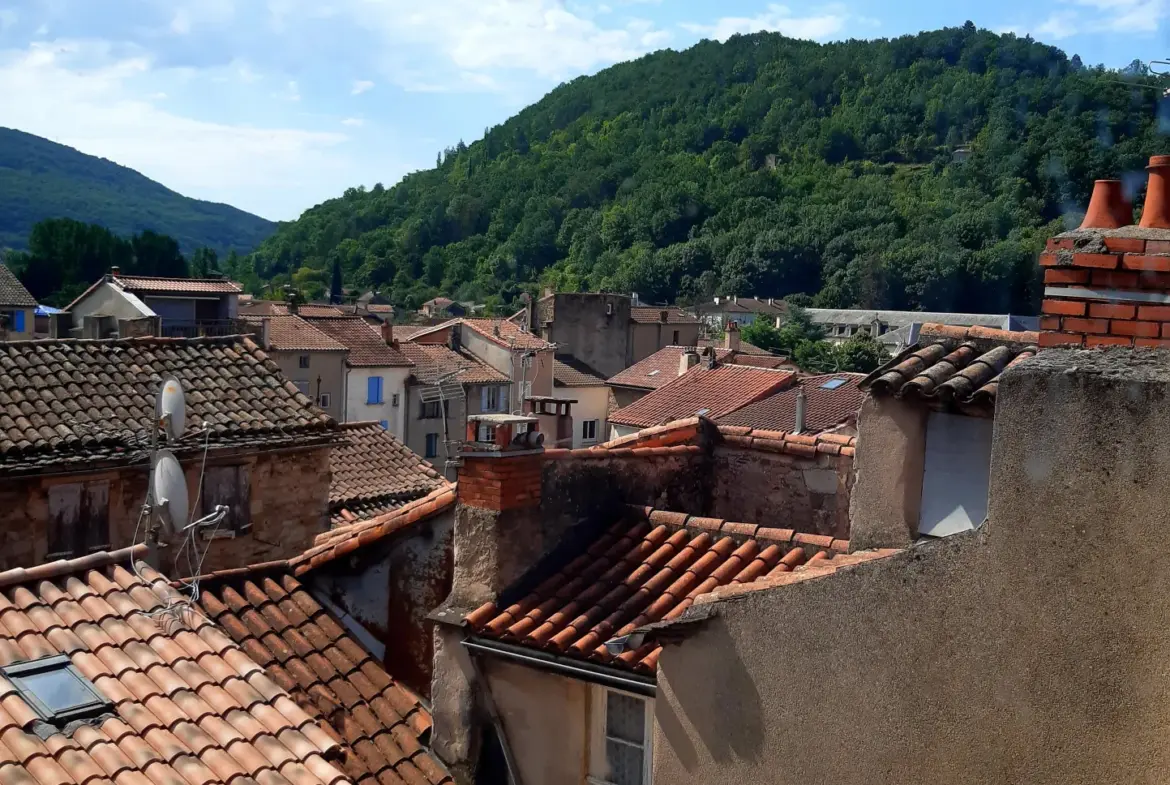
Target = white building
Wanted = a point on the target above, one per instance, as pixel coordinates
(573, 380)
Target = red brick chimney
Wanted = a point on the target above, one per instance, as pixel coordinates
(1106, 284)
(503, 474)
(388, 333)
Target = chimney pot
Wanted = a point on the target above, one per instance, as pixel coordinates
(801, 405)
(663, 316)
(388, 333)
(1107, 207)
(731, 337)
(115, 271)
(686, 361)
(1156, 212)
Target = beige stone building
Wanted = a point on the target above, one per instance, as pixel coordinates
(312, 360)
(75, 447)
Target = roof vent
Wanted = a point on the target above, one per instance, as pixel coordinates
(801, 405)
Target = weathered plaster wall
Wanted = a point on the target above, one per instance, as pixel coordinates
(289, 494)
(329, 366)
(785, 491)
(545, 717)
(649, 338)
(888, 466)
(1032, 650)
(581, 327)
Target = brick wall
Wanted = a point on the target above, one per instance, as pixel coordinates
(500, 483)
(289, 494)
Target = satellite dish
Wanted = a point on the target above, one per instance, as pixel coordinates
(170, 408)
(169, 492)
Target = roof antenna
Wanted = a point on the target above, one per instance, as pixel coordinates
(167, 493)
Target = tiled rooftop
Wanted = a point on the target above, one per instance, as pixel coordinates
(432, 362)
(277, 308)
(187, 704)
(12, 291)
(366, 346)
(70, 401)
(744, 347)
(375, 473)
(382, 725)
(649, 567)
(657, 370)
(143, 283)
(505, 333)
(953, 367)
(653, 315)
(294, 334)
(405, 332)
(568, 371)
(825, 407)
(713, 392)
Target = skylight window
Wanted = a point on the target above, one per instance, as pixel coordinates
(55, 689)
(655, 372)
(703, 412)
(833, 384)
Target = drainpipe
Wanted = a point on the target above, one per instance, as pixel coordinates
(801, 403)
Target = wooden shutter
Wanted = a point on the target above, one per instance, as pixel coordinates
(18, 321)
(95, 516)
(228, 485)
(64, 515)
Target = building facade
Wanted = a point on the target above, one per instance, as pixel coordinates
(17, 306)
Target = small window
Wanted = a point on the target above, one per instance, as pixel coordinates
(486, 433)
(385, 424)
(302, 387)
(56, 690)
(674, 341)
(303, 361)
(833, 384)
(228, 485)
(621, 749)
(394, 399)
(703, 412)
(589, 430)
(655, 372)
(324, 401)
(430, 410)
(374, 390)
(489, 399)
(432, 445)
(79, 519)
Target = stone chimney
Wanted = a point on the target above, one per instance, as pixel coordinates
(731, 337)
(687, 360)
(1107, 283)
(388, 333)
(664, 316)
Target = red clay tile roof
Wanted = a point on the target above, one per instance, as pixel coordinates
(381, 724)
(653, 315)
(953, 367)
(147, 284)
(648, 567)
(343, 540)
(683, 436)
(277, 308)
(657, 370)
(441, 302)
(187, 704)
(366, 346)
(375, 473)
(294, 334)
(12, 291)
(720, 391)
(406, 332)
(761, 361)
(744, 347)
(434, 361)
(70, 401)
(511, 335)
(568, 371)
(824, 408)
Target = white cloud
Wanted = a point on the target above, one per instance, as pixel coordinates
(273, 171)
(1089, 16)
(777, 18)
(1057, 26)
(361, 86)
(291, 92)
(354, 122)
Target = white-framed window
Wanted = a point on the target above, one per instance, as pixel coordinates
(589, 430)
(486, 433)
(525, 391)
(324, 401)
(621, 738)
(489, 399)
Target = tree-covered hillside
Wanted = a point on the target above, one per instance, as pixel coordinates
(763, 165)
(40, 179)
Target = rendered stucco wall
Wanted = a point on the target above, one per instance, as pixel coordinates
(582, 327)
(592, 404)
(393, 383)
(1032, 650)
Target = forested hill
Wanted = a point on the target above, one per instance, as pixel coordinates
(763, 165)
(40, 179)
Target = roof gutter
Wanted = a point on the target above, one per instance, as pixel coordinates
(564, 666)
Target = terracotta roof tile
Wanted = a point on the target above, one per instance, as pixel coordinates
(432, 362)
(146, 284)
(657, 370)
(69, 401)
(653, 315)
(645, 568)
(953, 367)
(12, 291)
(406, 332)
(504, 332)
(744, 347)
(277, 308)
(375, 473)
(824, 408)
(719, 391)
(365, 343)
(292, 334)
(380, 723)
(568, 371)
(169, 675)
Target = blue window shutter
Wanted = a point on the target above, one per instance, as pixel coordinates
(385, 425)
(374, 389)
(18, 322)
(379, 378)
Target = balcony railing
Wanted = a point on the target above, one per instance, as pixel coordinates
(172, 328)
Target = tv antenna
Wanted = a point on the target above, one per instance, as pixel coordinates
(166, 507)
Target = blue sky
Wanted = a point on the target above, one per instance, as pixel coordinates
(276, 105)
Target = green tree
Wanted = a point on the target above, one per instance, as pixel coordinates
(335, 289)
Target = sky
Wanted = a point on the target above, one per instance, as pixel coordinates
(276, 105)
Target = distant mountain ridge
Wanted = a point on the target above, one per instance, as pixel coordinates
(41, 179)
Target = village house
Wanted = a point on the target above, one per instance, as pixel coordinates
(896, 330)
(592, 399)
(442, 308)
(75, 419)
(375, 370)
(124, 306)
(312, 360)
(813, 404)
(17, 306)
(723, 310)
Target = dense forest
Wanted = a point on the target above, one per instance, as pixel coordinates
(40, 179)
(918, 172)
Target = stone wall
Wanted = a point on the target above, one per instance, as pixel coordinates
(289, 492)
